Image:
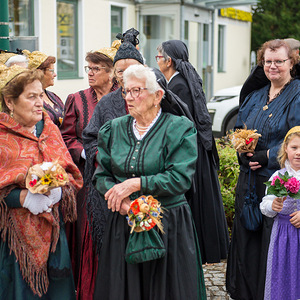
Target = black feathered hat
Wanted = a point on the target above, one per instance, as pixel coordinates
(128, 47)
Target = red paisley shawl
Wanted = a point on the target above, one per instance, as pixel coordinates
(32, 237)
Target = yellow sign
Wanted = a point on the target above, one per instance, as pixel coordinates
(236, 14)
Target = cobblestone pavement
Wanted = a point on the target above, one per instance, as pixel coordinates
(214, 275)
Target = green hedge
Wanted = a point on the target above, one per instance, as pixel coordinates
(228, 176)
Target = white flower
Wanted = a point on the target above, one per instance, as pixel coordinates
(47, 166)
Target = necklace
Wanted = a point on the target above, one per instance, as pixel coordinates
(141, 128)
(277, 94)
(144, 129)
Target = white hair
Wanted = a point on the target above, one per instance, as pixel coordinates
(142, 72)
(17, 60)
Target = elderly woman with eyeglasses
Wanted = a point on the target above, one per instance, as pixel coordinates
(52, 103)
(148, 152)
(272, 111)
(79, 108)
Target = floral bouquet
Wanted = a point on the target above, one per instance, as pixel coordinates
(283, 186)
(41, 178)
(144, 213)
(244, 140)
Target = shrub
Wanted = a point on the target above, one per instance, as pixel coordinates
(228, 176)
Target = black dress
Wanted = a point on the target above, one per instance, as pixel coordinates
(247, 257)
(164, 160)
(205, 196)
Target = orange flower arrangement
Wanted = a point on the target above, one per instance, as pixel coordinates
(144, 213)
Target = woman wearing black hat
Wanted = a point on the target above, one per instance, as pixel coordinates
(111, 106)
(204, 197)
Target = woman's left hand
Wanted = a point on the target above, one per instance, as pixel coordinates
(118, 192)
(125, 205)
(295, 219)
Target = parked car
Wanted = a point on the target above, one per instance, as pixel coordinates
(223, 108)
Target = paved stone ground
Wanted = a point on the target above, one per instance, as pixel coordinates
(214, 275)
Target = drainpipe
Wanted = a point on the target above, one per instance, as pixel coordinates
(212, 53)
(4, 25)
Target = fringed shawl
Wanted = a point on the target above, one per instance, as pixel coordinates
(32, 237)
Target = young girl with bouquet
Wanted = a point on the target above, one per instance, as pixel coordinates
(282, 201)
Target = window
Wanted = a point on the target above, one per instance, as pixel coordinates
(21, 25)
(67, 39)
(221, 48)
(116, 17)
(155, 29)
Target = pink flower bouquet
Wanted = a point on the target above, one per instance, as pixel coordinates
(283, 186)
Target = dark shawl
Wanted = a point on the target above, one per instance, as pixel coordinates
(110, 106)
(178, 51)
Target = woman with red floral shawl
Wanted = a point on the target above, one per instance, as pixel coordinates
(34, 256)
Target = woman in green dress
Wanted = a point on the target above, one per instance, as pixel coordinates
(148, 152)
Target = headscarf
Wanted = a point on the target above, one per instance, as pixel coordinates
(35, 58)
(4, 56)
(128, 48)
(171, 103)
(291, 131)
(110, 52)
(178, 51)
(7, 74)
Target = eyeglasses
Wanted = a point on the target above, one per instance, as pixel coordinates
(277, 63)
(119, 73)
(93, 69)
(134, 92)
(51, 70)
(158, 57)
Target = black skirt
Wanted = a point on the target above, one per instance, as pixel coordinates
(247, 258)
(207, 208)
(178, 275)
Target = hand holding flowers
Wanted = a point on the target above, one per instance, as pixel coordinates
(244, 140)
(277, 204)
(42, 178)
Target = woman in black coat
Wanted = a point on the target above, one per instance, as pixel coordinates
(204, 197)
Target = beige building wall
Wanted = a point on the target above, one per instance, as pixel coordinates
(94, 33)
(237, 52)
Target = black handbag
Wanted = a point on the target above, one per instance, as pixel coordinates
(251, 216)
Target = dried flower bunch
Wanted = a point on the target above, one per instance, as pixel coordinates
(244, 140)
(41, 178)
(144, 213)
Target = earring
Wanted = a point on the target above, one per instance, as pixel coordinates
(11, 114)
(155, 105)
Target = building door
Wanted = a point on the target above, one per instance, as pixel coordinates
(158, 23)
(197, 32)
